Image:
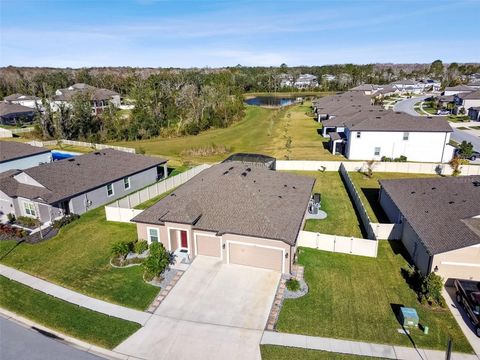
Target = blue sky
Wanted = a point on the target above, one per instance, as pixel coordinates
(66, 33)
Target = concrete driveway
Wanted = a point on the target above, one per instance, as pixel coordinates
(215, 311)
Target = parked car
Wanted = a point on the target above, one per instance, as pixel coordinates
(443, 112)
(468, 295)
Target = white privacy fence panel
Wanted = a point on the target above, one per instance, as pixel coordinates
(81, 144)
(387, 231)
(22, 130)
(5, 133)
(407, 167)
(341, 244)
(138, 197)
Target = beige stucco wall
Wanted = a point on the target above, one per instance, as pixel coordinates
(459, 264)
(207, 244)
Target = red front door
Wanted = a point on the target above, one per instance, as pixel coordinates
(183, 235)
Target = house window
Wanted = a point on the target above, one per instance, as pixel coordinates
(358, 134)
(406, 135)
(376, 151)
(153, 235)
(126, 183)
(29, 209)
(110, 190)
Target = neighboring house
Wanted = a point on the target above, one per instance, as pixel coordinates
(99, 98)
(388, 90)
(474, 113)
(465, 101)
(475, 84)
(444, 101)
(14, 114)
(17, 155)
(305, 81)
(440, 220)
(373, 134)
(239, 213)
(459, 89)
(409, 86)
(341, 104)
(77, 184)
(431, 85)
(29, 101)
(286, 80)
(329, 77)
(367, 89)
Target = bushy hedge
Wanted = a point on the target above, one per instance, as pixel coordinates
(57, 224)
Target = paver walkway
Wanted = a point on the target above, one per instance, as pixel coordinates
(357, 347)
(75, 297)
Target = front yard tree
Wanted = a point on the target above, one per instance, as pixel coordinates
(158, 260)
(465, 150)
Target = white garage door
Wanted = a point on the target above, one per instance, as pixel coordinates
(208, 245)
(255, 255)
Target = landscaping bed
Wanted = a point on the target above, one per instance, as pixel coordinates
(355, 297)
(81, 323)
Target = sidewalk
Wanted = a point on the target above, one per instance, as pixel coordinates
(357, 347)
(75, 297)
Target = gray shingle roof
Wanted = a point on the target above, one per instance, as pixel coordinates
(11, 150)
(439, 210)
(474, 95)
(8, 108)
(66, 178)
(237, 198)
(387, 120)
(459, 88)
(15, 97)
(93, 92)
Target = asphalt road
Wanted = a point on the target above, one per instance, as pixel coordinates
(19, 343)
(407, 105)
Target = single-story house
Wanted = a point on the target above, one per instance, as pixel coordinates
(409, 86)
(366, 89)
(465, 101)
(373, 134)
(474, 113)
(77, 184)
(445, 101)
(99, 98)
(30, 101)
(440, 220)
(341, 104)
(13, 114)
(459, 89)
(17, 155)
(475, 84)
(242, 214)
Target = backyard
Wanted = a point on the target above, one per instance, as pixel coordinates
(78, 258)
(62, 316)
(355, 297)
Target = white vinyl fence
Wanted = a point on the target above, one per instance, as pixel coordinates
(407, 167)
(341, 244)
(22, 130)
(122, 209)
(80, 144)
(5, 133)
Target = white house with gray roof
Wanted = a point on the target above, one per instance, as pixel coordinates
(440, 219)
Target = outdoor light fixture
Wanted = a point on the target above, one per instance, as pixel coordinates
(223, 246)
(286, 255)
(436, 268)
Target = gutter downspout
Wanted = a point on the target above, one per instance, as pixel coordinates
(443, 151)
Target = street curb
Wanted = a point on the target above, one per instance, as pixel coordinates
(65, 339)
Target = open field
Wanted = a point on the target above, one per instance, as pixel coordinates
(78, 258)
(369, 189)
(274, 352)
(62, 316)
(356, 297)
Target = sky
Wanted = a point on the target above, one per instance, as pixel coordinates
(149, 33)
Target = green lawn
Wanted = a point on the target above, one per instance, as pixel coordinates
(354, 297)
(78, 258)
(341, 219)
(274, 352)
(369, 189)
(62, 316)
(153, 201)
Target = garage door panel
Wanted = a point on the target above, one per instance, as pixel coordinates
(208, 245)
(257, 256)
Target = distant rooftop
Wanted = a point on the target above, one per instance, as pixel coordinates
(13, 150)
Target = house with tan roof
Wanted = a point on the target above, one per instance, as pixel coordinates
(240, 212)
(440, 220)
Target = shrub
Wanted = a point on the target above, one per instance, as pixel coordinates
(120, 249)
(57, 224)
(140, 246)
(402, 158)
(11, 217)
(158, 260)
(386, 159)
(293, 284)
(11, 231)
(27, 221)
(432, 289)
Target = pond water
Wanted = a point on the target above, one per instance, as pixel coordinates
(270, 101)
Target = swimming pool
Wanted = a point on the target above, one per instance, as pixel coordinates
(60, 155)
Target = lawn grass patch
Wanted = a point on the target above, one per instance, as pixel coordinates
(475, 127)
(78, 258)
(462, 128)
(154, 200)
(354, 297)
(70, 319)
(341, 216)
(275, 352)
(369, 190)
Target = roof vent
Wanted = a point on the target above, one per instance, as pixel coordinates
(96, 153)
(244, 174)
(413, 192)
(249, 169)
(279, 196)
(434, 188)
(231, 168)
(78, 164)
(451, 202)
(378, 117)
(294, 187)
(71, 159)
(476, 183)
(225, 173)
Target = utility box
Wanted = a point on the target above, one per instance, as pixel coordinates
(408, 316)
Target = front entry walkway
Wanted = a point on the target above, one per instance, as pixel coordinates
(216, 311)
(75, 297)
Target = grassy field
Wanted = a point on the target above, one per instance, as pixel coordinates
(262, 131)
(78, 258)
(356, 297)
(274, 352)
(62, 316)
(369, 189)
(342, 219)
